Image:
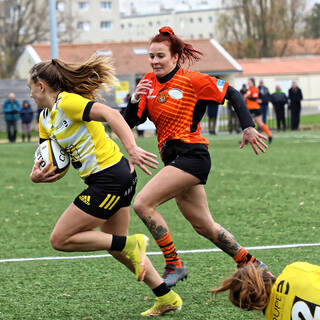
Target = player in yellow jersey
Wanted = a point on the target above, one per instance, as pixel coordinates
(72, 117)
(294, 295)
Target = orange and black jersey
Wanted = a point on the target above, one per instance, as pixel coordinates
(176, 104)
(252, 98)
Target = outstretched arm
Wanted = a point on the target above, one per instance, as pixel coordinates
(137, 156)
(250, 134)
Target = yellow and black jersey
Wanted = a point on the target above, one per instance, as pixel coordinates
(296, 294)
(88, 145)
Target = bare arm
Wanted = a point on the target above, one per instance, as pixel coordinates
(137, 156)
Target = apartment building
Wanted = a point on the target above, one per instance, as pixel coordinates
(99, 21)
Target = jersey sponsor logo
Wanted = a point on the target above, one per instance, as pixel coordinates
(175, 93)
(220, 84)
(85, 199)
(303, 309)
(62, 124)
(162, 98)
(109, 201)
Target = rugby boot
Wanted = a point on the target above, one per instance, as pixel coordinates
(169, 302)
(135, 251)
(173, 274)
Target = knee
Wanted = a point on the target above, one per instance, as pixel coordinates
(140, 206)
(57, 242)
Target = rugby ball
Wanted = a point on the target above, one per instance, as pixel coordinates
(50, 150)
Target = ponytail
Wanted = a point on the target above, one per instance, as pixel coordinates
(249, 288)
(84, 79)
(184, 50)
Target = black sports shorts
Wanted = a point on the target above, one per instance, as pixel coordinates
(255, 112)
(193, 158)
(108, 190)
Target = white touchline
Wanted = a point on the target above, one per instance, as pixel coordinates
(281, 246)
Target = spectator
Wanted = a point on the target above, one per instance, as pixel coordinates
(264, 97)
(243, 89)
(39, 110)
(233, 120)
(11, 109)
(212, 112)
(26, 115)
(295, 97)
(279, 100)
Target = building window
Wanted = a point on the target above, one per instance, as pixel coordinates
(62, 27)
(140, 51)
(191, 20)
(200, 19)
(211, 35)
(83, 26)
(122, 26)
(200, 35)
(181, 23)
(158, 23)
(150, 23)
(60, 6)
(130, 25)
(104, 52)
(83, 5)
(105, 25)
(105, 5)
(210, 19)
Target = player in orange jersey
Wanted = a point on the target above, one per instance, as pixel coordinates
(252, 97)
(175, 100)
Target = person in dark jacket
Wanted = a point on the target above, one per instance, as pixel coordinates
(264, 98)
(279, 100)
(26, 115)
(11, 109)
(295, 97)
(212, 112)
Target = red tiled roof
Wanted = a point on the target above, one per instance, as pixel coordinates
(285, 65)
(127, 62)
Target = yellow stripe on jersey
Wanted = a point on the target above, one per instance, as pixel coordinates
(86, 142)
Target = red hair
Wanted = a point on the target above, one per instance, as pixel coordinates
(184, 50)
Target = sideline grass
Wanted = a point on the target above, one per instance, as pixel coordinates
(263, 200)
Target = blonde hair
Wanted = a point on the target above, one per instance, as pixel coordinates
(84, 78)
(249, 287)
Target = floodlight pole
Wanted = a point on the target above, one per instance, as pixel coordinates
(53, 29)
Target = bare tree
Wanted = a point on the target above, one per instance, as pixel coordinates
(22, 22)
(254, 26)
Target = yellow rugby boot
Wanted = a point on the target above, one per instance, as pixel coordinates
(169, 302)
(135, 251)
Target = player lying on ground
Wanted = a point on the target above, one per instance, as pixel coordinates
(294, 295)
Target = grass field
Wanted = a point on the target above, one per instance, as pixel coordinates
(265, 200)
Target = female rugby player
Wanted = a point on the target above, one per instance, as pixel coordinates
(294, 295)
(175, 100)
(73, 118)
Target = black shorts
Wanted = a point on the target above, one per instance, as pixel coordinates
(193, 158)
(108, 190)
(255, 112)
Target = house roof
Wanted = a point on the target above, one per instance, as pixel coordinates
(131, 57)
(307, 64)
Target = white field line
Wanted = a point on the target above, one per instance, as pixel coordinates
(282, 246)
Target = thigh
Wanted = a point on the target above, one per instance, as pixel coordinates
(193, 204)
(75, 220)
(118, 223)
(165, 185)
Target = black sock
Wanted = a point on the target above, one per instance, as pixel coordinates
(118, 243)
(161, 290)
